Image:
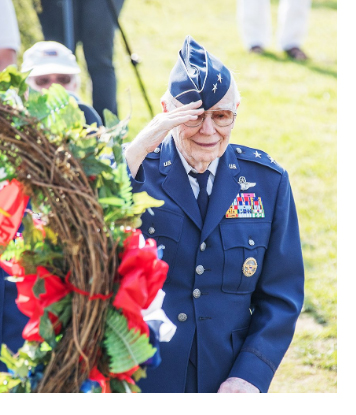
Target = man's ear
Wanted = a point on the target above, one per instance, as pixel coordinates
(164, 106)
(237, 105)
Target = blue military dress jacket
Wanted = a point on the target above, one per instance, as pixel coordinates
(244, 324)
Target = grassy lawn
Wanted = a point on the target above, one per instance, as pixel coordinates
(288, 109)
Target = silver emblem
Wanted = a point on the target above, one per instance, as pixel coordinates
(232, 166)
(244, 184)
(215, 87)
(271, 159)
(167, 163)
(257, 154)
(219, 78)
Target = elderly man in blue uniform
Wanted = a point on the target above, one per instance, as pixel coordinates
(230, 234)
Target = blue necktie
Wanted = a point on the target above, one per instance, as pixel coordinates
(203, 197)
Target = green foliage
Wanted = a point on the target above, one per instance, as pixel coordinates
(34, 249)
(62, 309)
(39, 287)
(119, 386)
(13, 250)
(13, 80)
(56, 110)
(22, 364)
(7, 382)
(46, 330)
(126, 348)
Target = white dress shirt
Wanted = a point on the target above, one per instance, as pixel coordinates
(194, 182)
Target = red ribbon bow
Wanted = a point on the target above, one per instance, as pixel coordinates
(142, 275)
(33, 307)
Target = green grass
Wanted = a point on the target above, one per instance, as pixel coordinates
(288, 109)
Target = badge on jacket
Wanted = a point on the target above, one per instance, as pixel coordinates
(246, 205)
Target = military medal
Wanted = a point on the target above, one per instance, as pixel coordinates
(249, 267)
(246, 205)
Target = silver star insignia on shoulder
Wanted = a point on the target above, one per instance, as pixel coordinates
(215, 87)
(257, 154)
(219, 78)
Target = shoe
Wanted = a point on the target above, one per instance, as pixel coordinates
(257, 49)
(297, 54)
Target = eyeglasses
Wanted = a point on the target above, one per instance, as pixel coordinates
(53, 79)
(221, 118)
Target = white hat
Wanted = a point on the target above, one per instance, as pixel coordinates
(49, 57)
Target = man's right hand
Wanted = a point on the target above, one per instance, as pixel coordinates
(155, 132)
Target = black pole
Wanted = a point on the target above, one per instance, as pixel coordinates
(133, 57)
(68, 24)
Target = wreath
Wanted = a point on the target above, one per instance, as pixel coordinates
(86, 278)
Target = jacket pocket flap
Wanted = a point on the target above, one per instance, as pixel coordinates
(245, 234)
(170, 224)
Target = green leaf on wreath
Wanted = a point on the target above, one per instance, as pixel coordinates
(7, 382)
(56, 109)
(110, 119)
(46, 330)
(34, 353)
(92, 166)
(143, 201)
(117, 386)
(14, 249)
(126, 348)
(112, 201)
(62, 309)
(39, 287)
(8, 357)
(12, 78)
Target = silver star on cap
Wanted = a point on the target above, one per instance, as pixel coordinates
(219, 78)
(257, 154)
(271, 159)
(215, 87)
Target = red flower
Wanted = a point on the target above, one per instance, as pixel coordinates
(12, 206)
(142, 275)
(33, 307)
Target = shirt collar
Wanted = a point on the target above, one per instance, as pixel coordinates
(212, 166)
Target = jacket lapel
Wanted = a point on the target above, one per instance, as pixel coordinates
(176, 183)
(225, 189)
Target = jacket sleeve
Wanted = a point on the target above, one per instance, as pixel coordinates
(278, 298)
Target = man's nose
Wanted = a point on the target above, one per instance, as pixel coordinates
(207, 127)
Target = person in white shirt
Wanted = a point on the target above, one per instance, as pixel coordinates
(254, 19)
(9, 35)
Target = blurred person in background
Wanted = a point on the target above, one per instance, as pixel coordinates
(53, 63)
(254, 18)
(9, 35)
(94, 23)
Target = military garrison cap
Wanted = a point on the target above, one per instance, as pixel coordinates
(198, 75)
